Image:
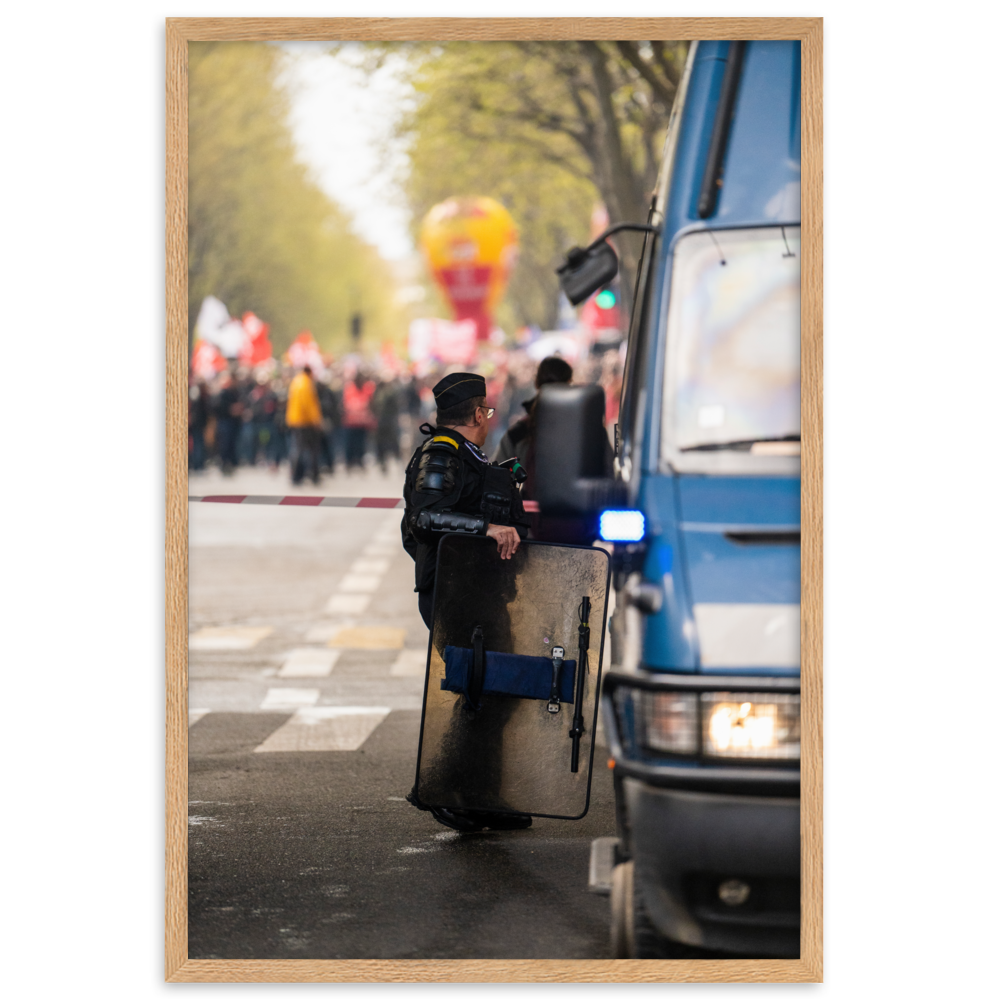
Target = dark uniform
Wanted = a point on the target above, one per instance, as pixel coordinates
(452, 486)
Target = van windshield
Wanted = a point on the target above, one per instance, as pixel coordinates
(732, 364)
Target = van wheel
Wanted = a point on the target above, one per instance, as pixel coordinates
(633, 934)
(649, 942)
(622, 926)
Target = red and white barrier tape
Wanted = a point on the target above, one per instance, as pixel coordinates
(386, 503)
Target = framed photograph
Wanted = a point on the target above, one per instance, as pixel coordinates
(693, 420)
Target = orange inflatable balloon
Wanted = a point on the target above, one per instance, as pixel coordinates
(471, 246)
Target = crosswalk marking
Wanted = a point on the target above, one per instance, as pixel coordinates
(374, 567)
(369, 637)
(409, 663)
(229, 637)
(326, 631)
(287, 698)
(310, 662)
(381, 550)
(348, 604)
(359, 583)
(327, 727)
(310, 655)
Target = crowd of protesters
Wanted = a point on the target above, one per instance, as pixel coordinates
(348, 416)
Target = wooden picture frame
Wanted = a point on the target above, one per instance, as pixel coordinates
(178, 967)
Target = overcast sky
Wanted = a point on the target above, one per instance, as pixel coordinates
(342, 122)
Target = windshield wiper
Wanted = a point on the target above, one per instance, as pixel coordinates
(744, 445)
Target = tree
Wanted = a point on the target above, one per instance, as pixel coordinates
(262, 236)
(566, 117)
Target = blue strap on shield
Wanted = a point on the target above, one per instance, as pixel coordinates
(508, 673)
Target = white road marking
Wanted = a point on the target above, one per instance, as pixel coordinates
(231, 637)
(372, 567)
(194, 714)
(409, 663)
(348, 604)
(381, 550)
(359, 583)
(289, 698)
(327, 727)
(326, 631)
(310, 662)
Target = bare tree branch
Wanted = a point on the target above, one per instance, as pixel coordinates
(671, 69)
(664, 92)
(620, 183)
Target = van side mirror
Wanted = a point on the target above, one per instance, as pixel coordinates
(572, 478)
(587, 270)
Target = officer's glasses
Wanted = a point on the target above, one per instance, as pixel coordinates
(489, 411)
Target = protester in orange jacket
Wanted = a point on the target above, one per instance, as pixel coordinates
(358, 419)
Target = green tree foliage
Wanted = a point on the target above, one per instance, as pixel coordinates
(261, 235)
(548, 128)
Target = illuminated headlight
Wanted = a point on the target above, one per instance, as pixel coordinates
(622, 526)
(751, 725)
(669, 721)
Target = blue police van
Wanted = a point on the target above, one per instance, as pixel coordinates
(701, 705)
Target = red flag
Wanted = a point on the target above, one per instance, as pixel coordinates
(206, 359)
(257, 347)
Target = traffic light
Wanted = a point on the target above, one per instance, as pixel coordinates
(606, 299)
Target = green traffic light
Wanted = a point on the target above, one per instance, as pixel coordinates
(606, 299)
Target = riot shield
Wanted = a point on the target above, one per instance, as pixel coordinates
(513, 676)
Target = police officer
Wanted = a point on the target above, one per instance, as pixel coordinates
(451, 485)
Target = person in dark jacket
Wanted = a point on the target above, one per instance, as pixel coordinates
(386, 406)
(228, 420)
(446, 484)
(451, 486)
(519, 441)
(198, 414)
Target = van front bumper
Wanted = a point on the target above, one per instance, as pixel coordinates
(716, 849)
(687, 845)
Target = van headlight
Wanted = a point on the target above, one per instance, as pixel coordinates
(759, 727)
(669, 721)
(720, 724)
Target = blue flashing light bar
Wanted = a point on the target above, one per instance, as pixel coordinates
(622, 526)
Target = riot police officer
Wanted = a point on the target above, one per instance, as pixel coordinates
(451, 485)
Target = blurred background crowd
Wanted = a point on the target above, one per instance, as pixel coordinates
(369, 415)
(384, 213)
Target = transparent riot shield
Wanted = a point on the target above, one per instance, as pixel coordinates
(513, 675)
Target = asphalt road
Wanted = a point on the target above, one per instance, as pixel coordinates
(306, 673)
